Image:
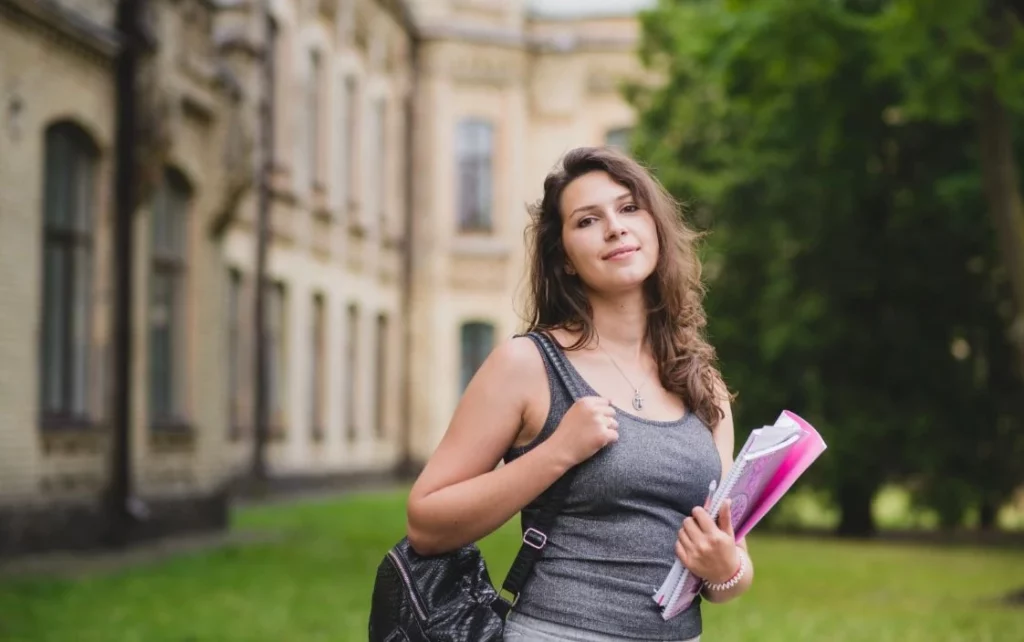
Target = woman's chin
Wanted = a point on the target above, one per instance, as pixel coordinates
(619, 286)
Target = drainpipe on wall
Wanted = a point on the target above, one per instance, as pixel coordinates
(265, 166)
(120, 515)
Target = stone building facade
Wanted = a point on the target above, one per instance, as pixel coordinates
(57, 167)
(407, 139)
(343, 84)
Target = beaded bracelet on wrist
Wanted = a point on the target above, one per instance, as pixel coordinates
(733, 581)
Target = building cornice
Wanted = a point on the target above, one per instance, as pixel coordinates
(65, 23)
(534, 43)
(548, 11)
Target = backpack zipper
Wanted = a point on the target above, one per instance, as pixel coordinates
(408, 584)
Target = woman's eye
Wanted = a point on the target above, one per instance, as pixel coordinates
(584, 222)
(630, 208)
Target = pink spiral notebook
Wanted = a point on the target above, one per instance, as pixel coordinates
(768, 465)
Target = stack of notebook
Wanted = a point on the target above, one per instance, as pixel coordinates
(771, 460)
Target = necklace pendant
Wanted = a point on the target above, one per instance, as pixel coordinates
(638, 401)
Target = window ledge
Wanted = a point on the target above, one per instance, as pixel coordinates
(172, 435)
(67, 423)
(483, 246)
(170, 425)
(72, 436)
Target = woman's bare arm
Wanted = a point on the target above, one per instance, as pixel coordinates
(460, 497)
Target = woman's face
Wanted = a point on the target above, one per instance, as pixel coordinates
(611, 244)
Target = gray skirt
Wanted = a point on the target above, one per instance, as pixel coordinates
(523, 628)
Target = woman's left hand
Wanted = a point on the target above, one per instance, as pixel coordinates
(707, 549)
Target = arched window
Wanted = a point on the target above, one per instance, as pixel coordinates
(477, 341)
(70, 175)
(167, 301)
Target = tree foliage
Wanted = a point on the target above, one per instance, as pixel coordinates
(854, 276)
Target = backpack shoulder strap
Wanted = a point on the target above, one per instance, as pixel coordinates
(535, 537)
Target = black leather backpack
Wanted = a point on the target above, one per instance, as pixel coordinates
(450, 597)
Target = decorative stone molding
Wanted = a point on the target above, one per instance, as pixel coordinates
(74, 443)
(477, 273)
(172, 440)
(479, 68)
(497, 37)
(98, 12)
(158, 116)
(565, 42)
(474, 65)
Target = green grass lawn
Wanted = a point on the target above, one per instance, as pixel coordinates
(313, 582)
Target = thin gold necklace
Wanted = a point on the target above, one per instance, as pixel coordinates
(638, 400)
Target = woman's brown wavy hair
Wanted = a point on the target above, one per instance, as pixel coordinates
(674, 291)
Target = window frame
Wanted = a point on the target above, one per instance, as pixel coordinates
(169, 260)
(474, 167)
(72, 234)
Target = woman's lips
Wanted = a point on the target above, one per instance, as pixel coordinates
(620, 253)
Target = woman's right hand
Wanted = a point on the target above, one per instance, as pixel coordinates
(586, 428)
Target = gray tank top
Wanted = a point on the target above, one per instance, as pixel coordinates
(614, 541)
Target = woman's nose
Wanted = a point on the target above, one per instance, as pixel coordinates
(615, 228)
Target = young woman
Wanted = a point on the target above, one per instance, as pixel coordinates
(616, 284)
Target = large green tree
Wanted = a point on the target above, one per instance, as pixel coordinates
(847, 255)
(964, 61)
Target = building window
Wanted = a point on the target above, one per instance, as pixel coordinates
(477, 340)
(348, 145)
(351, 372)
(379, 162)
(167, 297)
(313, 102)
(618, 137)
(318, 368)
(68, 202)
(235, 331)
(380, 387)
(277, 372)
(475, 150)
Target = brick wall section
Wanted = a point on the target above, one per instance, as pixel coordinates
(53, 79)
